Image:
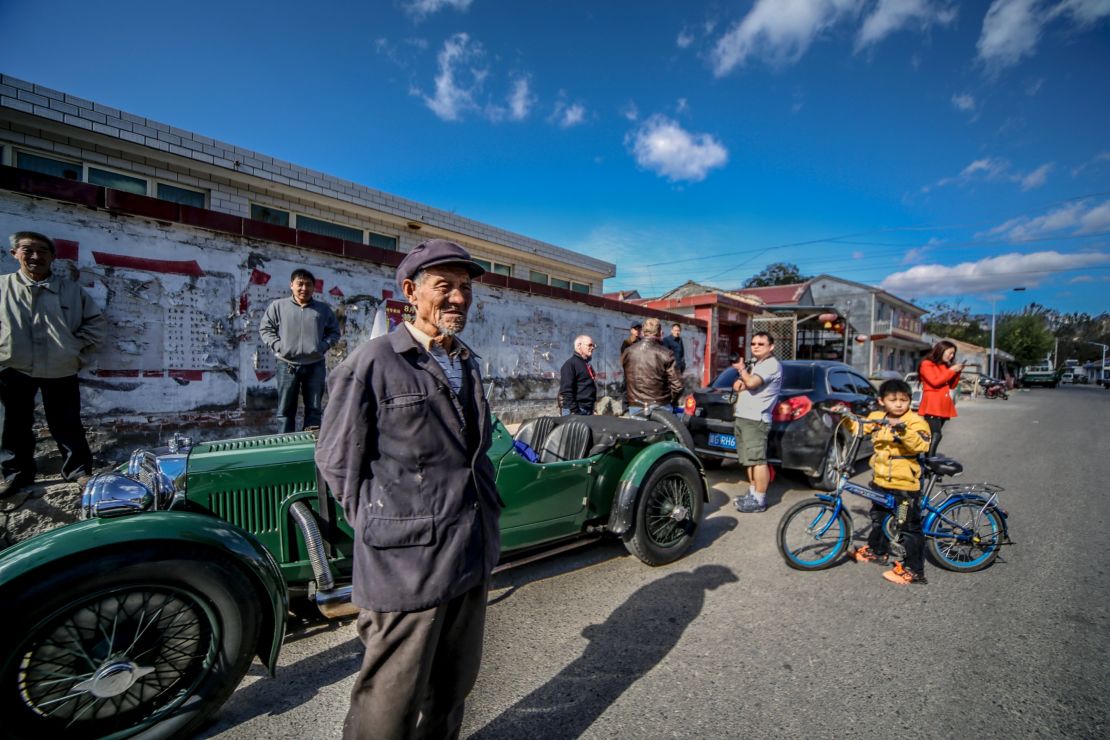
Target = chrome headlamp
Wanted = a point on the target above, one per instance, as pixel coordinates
(147, 485)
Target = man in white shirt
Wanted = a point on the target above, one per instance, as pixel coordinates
(757, 389)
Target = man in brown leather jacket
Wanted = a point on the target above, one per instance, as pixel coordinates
(650, 372)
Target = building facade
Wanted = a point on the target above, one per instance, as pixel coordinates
(183, 241)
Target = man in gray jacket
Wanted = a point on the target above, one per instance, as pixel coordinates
(48, 325)
(300, 330)
(403, 449)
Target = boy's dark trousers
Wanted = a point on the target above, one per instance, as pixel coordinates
(912, 539)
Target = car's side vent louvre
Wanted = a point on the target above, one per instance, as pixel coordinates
(251, 443)
(255, 509)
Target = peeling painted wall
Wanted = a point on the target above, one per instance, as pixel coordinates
(183, 307)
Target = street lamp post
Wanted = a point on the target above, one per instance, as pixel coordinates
(994, 302)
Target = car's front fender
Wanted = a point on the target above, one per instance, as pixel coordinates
(43, 553)
(622, 517)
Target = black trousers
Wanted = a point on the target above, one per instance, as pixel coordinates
(936, 423)
(417, 670)
(61, 400)
(912, 539)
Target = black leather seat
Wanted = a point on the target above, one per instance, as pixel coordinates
(942, 466)
(534, 433)
(569, 441)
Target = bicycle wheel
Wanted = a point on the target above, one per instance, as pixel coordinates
(809, 538)
(965, 537)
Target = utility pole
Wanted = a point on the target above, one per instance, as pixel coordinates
(1101, 367)
(994, 301)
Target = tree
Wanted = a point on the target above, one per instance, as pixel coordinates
(955, 322)
(1025, 336)
(778, 273)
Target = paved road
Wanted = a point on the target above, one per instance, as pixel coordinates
(729, 642)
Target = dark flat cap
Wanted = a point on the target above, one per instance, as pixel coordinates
(436, 252)
(637, 325)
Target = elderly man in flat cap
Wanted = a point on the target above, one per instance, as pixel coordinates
(403, 447)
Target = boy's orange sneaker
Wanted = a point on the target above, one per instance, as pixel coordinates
(864, 554)
(902, 576)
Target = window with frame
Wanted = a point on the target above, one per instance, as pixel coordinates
(327, 228)
(48, 165)
(177, 194)
(560, 283)
(494, 267)
(117, 181)
(274, 216)
(381, 241)
(580, 287)
(841, 382)
(538, 277)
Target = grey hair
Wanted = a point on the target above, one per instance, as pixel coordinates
(33, 236)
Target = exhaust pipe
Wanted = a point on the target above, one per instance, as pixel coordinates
(331, 601)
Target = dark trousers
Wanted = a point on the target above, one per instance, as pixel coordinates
(417, 670)
(912, 539)
(936, 423)
(61, 400)
(306, 381)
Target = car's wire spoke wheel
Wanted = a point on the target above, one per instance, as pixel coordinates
(146, 642)
(668, 511)
(117, 659)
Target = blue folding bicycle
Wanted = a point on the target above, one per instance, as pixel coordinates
(963, 524)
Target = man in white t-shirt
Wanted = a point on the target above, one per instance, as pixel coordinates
(757, 389)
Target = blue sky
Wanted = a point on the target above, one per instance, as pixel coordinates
(943, 150)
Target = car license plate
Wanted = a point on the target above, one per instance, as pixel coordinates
(727, 441)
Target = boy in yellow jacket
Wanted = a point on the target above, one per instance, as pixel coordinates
(894, 465)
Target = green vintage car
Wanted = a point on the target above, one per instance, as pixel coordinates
(141, 620)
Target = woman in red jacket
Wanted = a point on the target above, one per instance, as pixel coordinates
(938, 377)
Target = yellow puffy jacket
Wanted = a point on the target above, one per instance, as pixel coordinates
(894, 463)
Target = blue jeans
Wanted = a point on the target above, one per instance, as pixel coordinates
(307, 381)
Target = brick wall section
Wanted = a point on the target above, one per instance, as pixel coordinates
(27, 97)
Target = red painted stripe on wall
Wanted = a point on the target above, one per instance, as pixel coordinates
(67, 249)
(176, 267)
(187, 374)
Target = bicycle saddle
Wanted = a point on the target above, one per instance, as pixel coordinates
(944, 466)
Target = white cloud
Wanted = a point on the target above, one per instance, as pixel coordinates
(1085, 13)
(889, 16)
(421, 9)
(1078, 218)
(459, 86)
(630, 112)
(518, 103)
(685, 39)
(664, 147)
(1036, 178)
(778, 31)
(858, 255)
(964, 102)
(989, 274)
(459, 78)
(1098, 159)
(682, 106)
(995, 169)
(1013, 28)
(571, 115)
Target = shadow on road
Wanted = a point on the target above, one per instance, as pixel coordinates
(300, 684)
(632, 641)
